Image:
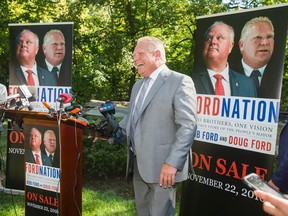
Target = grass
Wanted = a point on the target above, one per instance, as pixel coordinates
(93, 203)
(106, 203)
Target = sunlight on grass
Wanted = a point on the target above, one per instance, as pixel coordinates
(107, 203)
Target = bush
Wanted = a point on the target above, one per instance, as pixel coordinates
(103, 159)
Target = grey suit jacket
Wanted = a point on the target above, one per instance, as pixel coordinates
(16, 77)
(240, 85)
(166, 125)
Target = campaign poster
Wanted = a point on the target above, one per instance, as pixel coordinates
(41, 59)
(42, 168)
(236, 135)
(50, 45)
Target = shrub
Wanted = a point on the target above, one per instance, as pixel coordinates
(103, 159)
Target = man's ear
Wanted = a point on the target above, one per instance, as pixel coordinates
(158, 54)
(44, 49)
(231, 47)
(240, 43)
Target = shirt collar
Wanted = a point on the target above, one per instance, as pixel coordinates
(155, 73)
(248, 70)
(50, 67)
(224, 73)
(34, 68)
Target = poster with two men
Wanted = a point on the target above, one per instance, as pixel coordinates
(237, 112)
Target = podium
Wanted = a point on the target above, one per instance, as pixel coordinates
(50, 190)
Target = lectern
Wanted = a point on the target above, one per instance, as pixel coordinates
(51, 189)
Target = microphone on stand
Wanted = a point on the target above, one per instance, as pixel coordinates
(64, 98)
(72, 107)
(52, 112)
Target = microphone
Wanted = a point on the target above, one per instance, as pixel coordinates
(11, 101)
(33, 91)
(64, 98)
(48, 106)
(75, 111)
(22, 104)
(52, 111)
(24, 92)
(73, 107)
(11, 97)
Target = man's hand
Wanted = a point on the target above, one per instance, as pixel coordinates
(167, 175)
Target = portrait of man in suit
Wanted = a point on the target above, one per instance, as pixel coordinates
(50, 147)
(54, 49)
(256, 45)
(33, 153)
(26, 71)
(216, 77)
(160, 127)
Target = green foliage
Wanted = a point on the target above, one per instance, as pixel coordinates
(103, 159)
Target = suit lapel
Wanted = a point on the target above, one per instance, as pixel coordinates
(234, 84)
(132, 103)
(207, 84)
(156, 86)
(41, 76)
(20, 76)
(154, 89)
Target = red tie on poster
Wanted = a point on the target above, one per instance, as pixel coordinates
(37, 159)
(30, 78)
(219, 88)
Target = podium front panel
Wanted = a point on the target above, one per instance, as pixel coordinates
(53, 186)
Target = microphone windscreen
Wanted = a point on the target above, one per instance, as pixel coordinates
(66, 98)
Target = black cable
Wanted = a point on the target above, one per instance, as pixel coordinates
(59, 135)
(75, 171)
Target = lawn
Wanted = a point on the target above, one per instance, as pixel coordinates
(99, 198)
(93, 203)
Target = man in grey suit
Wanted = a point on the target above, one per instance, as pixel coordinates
(161, 132)
(218, 43)
(27, 72)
